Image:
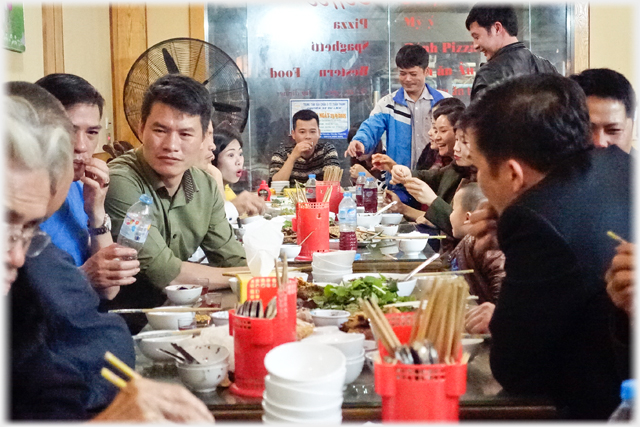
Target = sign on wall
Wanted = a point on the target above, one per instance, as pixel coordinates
(333, 114)
(14, 27)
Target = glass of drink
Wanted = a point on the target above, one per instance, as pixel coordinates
(204, 282)
(213, 300)
(185, 324)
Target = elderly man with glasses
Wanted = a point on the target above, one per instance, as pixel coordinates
(57, 337)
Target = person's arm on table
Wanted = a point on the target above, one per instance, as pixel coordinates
(107, 268)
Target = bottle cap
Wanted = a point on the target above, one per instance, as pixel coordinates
(312, 175)
(346, 194)
(361, 174)
(628, 390)
(146, 199)
(263, 182)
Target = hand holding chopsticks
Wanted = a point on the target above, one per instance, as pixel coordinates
(122, 367)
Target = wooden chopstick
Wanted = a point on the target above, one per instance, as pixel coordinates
(113, 378)
(121, 366)
(614, 236)
(162, 334)
(165, 310)
(234, 274)
(443, 273)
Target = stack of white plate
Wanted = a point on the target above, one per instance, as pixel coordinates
(331, 266)
(279, 185)
(304, 384)
(350, 344)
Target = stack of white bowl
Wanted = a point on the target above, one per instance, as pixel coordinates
(279, 185)
(304, 384)
(331, 266)
(350, 344)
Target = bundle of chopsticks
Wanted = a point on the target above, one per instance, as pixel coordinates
(439, 320)
(122, 367)
(298, 196)
(332, 173)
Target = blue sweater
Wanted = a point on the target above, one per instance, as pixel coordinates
(392, 115)
(68, 226)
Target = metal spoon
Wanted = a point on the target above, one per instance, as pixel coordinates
(403, 354)
(425, 352)
(419, 268)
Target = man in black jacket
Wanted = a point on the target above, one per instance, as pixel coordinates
(494, 29)
(556, 198)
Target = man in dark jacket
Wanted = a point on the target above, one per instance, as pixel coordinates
(556, 198)
(494, 30)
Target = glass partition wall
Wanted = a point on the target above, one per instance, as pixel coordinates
(322, 50)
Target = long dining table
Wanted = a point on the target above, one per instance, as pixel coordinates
(484, 398)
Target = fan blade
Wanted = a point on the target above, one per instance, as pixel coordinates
(225, 108)
(172, 68)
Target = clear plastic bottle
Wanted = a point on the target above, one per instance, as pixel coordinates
(135, 226)
(370, 196)
(311, 188)
(347, 222)
(624, 412)
(359, 187)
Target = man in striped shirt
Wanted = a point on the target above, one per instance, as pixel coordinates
(305, 155)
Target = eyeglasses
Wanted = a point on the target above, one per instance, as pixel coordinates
(32, 239)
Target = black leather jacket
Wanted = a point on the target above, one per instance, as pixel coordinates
(512, 60)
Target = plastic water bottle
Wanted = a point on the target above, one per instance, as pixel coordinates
(370, 196)
(624, 412)
(135, 226)
(347, 222)
(359, 187)
(311, 188)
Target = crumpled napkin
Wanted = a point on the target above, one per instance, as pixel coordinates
(262, 240)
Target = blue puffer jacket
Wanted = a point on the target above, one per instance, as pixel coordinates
(392, 115)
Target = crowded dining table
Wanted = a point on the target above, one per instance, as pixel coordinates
(483, 398)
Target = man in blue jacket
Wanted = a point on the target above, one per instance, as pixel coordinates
(404, 114)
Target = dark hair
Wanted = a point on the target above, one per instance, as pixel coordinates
(470, 196)
(451, 101)
(412, 55)
(182, 93)
(539, 119)
(221, 138)
(71, 90)
(305, 115)
(452, 110)
(487, 15)
(608, 84)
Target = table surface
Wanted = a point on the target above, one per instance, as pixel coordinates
(484, 397)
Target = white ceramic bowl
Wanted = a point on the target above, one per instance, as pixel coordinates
(282, 395)
(351, 345)
(322, 330)
(332, 385)
(269, 418)
(150, 347)
(343, 258)
(167, 319)
(220, 318)
(369, 220)
(387, 230)
(303, 362)
(279, 185)
(202, 378)
(208, 354)
(391, 218)
(321, 263)
(370, 345)
(183, 294)
(233, 284)
(370, 358)
(354, 368)
(291, 251)
(412, 246)
(306, 413)
(330, 271)
(404, 288)
(471, 346)
(327, 278)
(330, 317)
